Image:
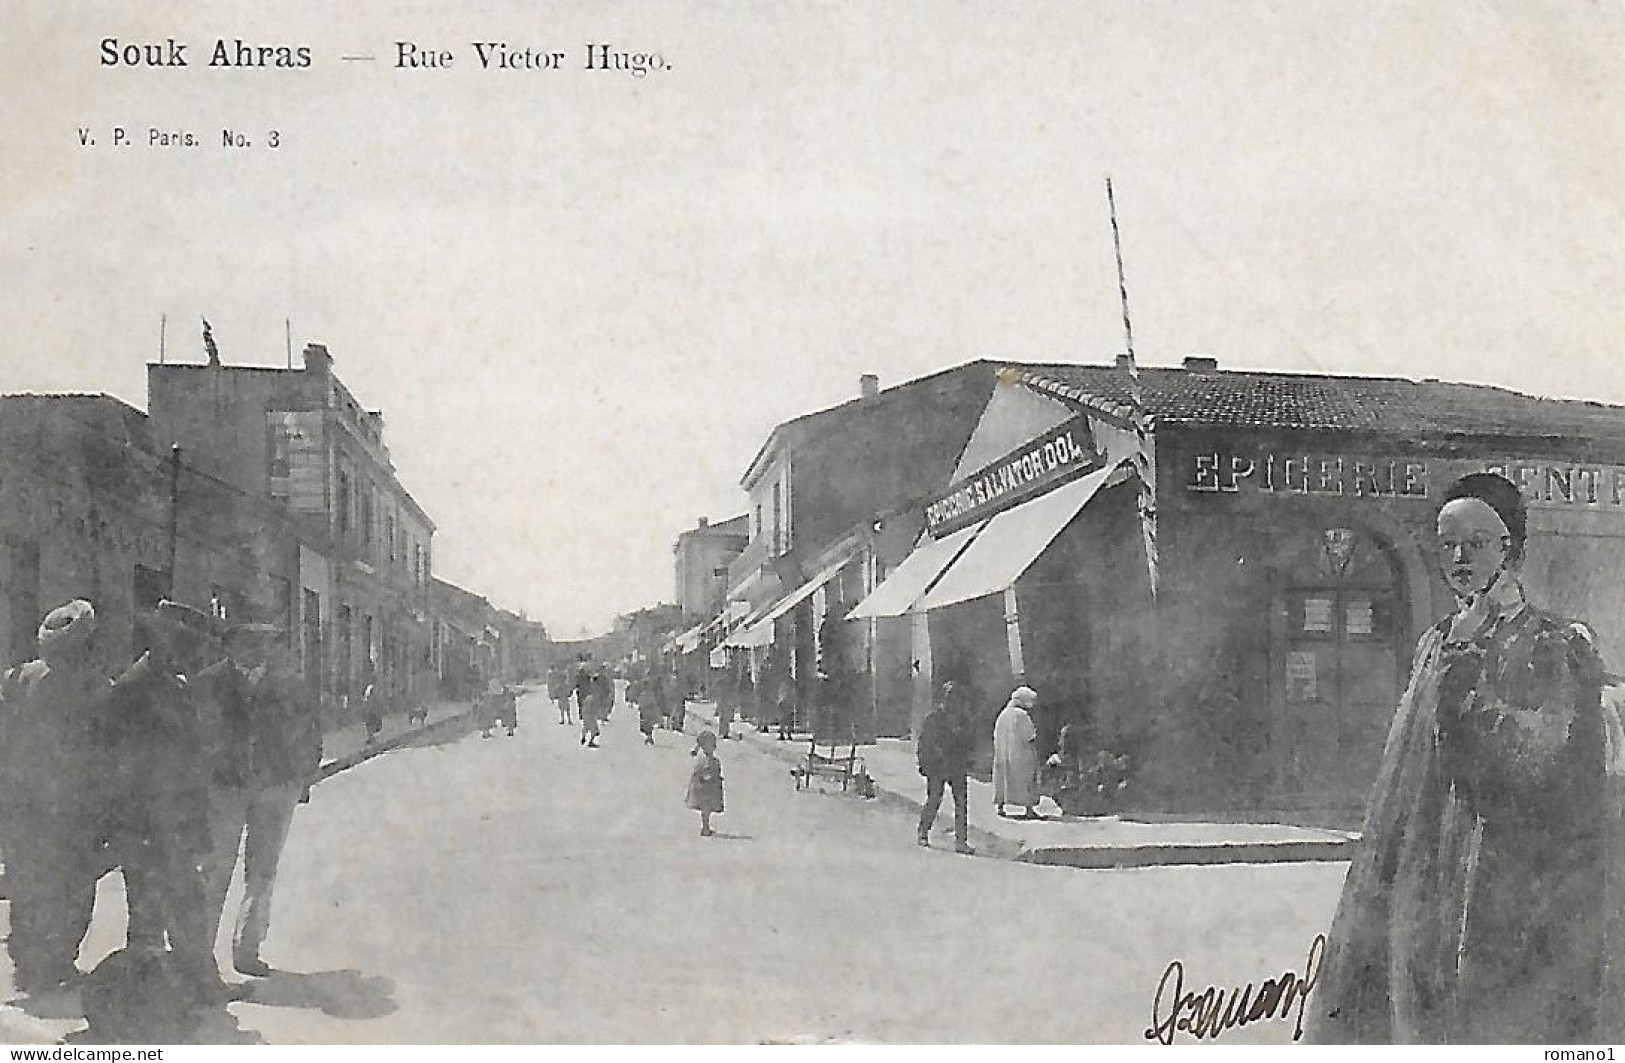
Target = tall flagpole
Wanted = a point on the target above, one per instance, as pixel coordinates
(1144, 462)
(1122, 292)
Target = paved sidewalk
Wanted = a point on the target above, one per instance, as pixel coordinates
(1074, 841)
(346, 746)
(348, 741)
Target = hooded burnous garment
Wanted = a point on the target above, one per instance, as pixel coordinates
(1486, 887)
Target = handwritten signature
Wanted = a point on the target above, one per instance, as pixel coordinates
(1213, 1010)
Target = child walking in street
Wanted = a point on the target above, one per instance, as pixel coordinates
(705, 783)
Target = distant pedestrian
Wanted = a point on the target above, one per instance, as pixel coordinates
(642, 692)
(705, 782)
(372, 710)
(786, 708)
(558, 688)
(747, 697)
(507, 701)
(944, 749)
(587, 704)
(604, 687)
(679, 709)
(1015, 756)
(485, 710)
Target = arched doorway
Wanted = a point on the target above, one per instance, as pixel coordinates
(1337, 658)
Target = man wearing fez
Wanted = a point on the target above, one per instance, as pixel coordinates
(47, 826)
(162, 776)
(284, 752)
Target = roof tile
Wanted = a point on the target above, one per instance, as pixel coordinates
(1247, 399)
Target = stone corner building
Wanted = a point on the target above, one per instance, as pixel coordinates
(358, 567)
(100, 506)
(1291, 535)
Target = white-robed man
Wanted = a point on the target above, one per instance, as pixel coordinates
(1015, 756)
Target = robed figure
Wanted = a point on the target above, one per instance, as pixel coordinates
(1478, 906)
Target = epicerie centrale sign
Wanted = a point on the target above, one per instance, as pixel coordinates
(1544, 482)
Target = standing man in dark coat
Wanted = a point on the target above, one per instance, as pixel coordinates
(944, 751)
(285, 751)
(220, 692)
(162, 778)
(48, 822)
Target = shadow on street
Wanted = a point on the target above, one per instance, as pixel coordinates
(343, 994)
(129, 999)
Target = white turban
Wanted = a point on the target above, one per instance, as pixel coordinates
(67, 627)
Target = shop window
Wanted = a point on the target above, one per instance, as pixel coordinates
(1312, 615)
(1368, 617)
(278, 457)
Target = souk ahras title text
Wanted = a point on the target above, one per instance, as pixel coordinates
(236, 53)
(408, 55)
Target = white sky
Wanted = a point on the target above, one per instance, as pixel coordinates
(582, 299)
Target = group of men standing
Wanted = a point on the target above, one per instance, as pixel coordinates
(202, 747)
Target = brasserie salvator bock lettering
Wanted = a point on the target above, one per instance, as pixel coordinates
(1019, 471)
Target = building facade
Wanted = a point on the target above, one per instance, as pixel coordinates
(701, 558)
(829, 500)
(299, 438)
(101, 506)
(1285, 522)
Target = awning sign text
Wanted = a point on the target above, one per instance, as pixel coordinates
(1054, 456)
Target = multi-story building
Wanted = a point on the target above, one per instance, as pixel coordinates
(703, 554)
(831, 496)
(467, 649)
(522, 645)
(300, 439)
(101, 506)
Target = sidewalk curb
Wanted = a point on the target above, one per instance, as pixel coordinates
(441, 726)
(1100, 857)
(1096, 857)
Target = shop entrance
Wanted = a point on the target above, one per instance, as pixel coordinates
(1337, 670)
